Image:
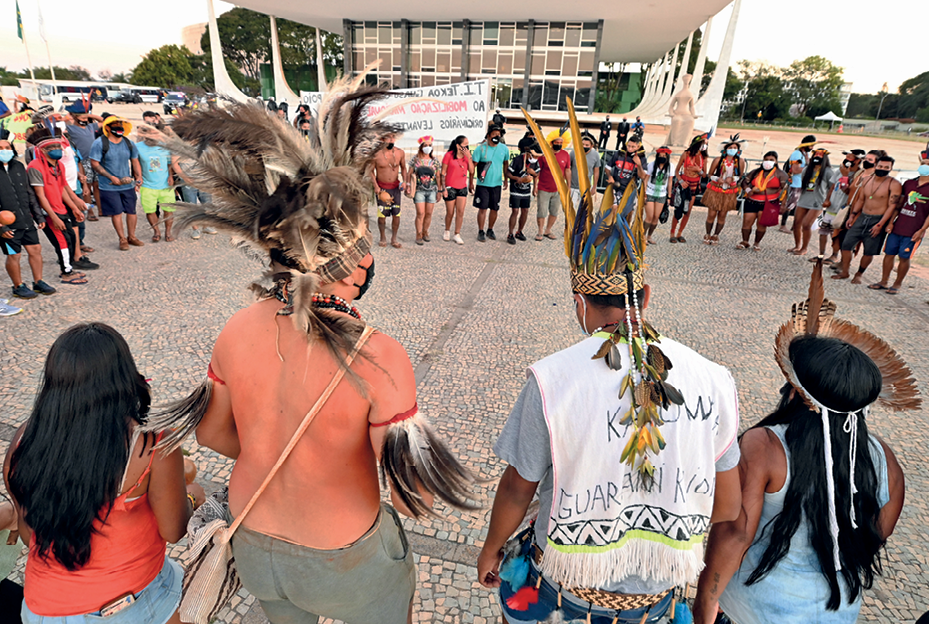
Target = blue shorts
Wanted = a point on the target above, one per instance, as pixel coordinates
(902, 246)
(115, 203)
(153, 605)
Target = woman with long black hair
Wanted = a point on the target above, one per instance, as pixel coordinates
(818, 176)
(96, 502)
(656, 193)
(820, 494)
(762, 186)
(722, 190)
(690, 171)
(457, 166)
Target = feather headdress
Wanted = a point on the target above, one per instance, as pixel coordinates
(816, 317)
(607, 257)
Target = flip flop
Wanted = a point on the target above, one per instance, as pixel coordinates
(551, 236)
(396, 245)
(156, 238)
(382, 244)
(538, 237)
(170, 239)
(892, 291)
(74, 280)
(877, 286)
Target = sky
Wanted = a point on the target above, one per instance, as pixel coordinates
(838, 32)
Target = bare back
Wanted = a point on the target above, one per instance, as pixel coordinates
(327, 493)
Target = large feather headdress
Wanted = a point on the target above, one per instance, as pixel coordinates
(816, 317)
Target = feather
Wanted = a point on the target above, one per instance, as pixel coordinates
(566, 204)
(180, 418)
(413, 457)
(814, 300)
(579, 159)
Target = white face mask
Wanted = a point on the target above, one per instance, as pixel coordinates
(427, 149)
(533, 160)
(768, 165)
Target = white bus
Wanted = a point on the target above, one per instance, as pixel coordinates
(70, 90)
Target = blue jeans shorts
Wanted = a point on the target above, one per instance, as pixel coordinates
(422, 196)
(153, 605)
(902, 246)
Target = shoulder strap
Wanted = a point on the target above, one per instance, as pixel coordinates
(105, 144)
(320, 402)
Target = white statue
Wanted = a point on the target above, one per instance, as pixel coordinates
(682, 114)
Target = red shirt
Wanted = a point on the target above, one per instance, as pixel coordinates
(456, 173)
(914, 210)
(53, 182)
(546, 181)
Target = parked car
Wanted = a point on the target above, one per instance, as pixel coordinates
(173, 101)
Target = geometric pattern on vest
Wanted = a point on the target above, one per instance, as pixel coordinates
(636, 517)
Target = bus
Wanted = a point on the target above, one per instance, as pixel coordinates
(69, 90)
(149, 95)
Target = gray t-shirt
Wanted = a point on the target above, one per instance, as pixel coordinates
(525, 444)
(813, 199)
(593, 160)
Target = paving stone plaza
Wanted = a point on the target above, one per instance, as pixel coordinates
(472, 318)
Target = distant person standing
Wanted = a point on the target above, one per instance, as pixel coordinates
(818, 177)
(498, 119)
(690, 171)
(190, 193)
(456, 167)
(116, 161)
(794, 167)
(593, 170)
(490, 159)
(549, 202)
(157, 192)
(423, 172)
(83, 129)
(622, 131)
(656, 190)
(638, 127)
(523, 172)
(387, 174)
(605, 126)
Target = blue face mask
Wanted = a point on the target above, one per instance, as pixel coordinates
(731, 152)
(55, 154)
(6, 155)
(923, 170)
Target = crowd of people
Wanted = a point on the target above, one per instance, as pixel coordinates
(628, 439)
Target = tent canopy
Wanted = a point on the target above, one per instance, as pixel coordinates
(830, 116)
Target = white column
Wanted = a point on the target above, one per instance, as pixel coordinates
(320, 68)
(686, 61)
(222, 82)
(282, 91)
(661, 104)
(701, 59)
(708, 105)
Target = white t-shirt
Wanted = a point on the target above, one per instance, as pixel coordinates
(657, 184)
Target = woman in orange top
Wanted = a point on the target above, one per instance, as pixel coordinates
(96, 502)
(691, 169)
(762, 185)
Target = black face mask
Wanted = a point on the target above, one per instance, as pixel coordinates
(118, 131)
(390, 146)
(881, 173)
(495, 140)
(82, 122)
(848, 164)
(867, 164)
(816, 161)
(661, 160)
(365, 285)
(556, 148)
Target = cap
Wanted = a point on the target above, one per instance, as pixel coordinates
(857, 153)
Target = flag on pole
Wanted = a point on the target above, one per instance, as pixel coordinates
(19, 22)
(41, 23)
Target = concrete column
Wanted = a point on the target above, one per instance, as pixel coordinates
(708, 105)
(320, 66)
(530, 33)
(661, 103)
(701, 59)
(221, 80)
(348, 61)
(404, 53)
(282, 91)
(591, 106)
(465, 49)
(685, 61)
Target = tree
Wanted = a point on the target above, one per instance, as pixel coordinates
(122, 77)
(298, 45)
(75, 72)
(246, 39)
(814, 80)
(167, 66)
(914, 95)
(202, 77)
(764, 91)
(8, 78)
(105, 75)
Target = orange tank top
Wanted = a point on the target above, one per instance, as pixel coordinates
(126, 554)
(769, 184)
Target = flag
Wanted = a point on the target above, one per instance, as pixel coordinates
(41, 23)
(19, 22)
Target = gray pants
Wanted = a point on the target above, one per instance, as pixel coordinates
(371, 580)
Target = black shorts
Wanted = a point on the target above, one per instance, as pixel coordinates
(389, 208)
(520, 201)
(860, 232)
(21, 238)
(452, 194)
(487, 197)
(751, 206)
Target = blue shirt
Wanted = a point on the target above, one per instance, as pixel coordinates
(796, 179)
(117, 162)
(155, 162)
(496, 155)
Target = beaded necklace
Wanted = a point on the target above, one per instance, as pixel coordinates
(332, 302)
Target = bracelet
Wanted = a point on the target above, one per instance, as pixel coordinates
(192, 499)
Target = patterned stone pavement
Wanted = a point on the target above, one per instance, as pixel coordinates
(472, 318)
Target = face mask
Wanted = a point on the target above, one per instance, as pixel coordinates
(495, 140)
(427, 149)
(365, 285)
(390, 146)
(731, 152)
(55, 154)
(661, 160)
(923, 170)
(816, 161)
(586, 149)
(768, 165)
(82, 122)
(61, 125)
(584, 316)
(703, 148)
(116, 131)
(867, 164)
(556, 148)
(881, 173)
(533, 160)
(7, 155)
(848, 164)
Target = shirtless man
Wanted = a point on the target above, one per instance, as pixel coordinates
(873, 206)
(388, 174)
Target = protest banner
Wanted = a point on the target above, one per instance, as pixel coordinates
(449, 111)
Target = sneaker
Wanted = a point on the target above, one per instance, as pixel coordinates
(480, 236)
(491, 235)
(209, 230)
(43, 289)
(520, 236)
(511, 239)
(447, 236)
(24, 292)
(8, 310)
(86, 263)
(195, 234)
(458, 239)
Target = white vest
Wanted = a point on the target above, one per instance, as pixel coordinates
(604, 525)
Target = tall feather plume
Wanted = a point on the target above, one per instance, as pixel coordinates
(563, 192)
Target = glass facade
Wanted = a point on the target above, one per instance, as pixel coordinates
(535, 64)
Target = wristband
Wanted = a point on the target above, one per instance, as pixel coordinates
(192, 499)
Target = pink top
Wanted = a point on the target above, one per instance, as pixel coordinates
(126, 554)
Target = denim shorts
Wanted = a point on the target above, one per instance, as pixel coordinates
(192, 195)
(153, 605)
(422, 196)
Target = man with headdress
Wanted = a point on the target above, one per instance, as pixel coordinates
(548, 199)
(116, 161)
(614, 433)
(318, 541)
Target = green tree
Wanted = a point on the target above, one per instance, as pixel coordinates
(75, 72)
(202, 77)
(166, 67)
(122, 77)
(764, 91)
(298, 45)
(246, 39)
(914, 96)
(8, 78)
(813, 80)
